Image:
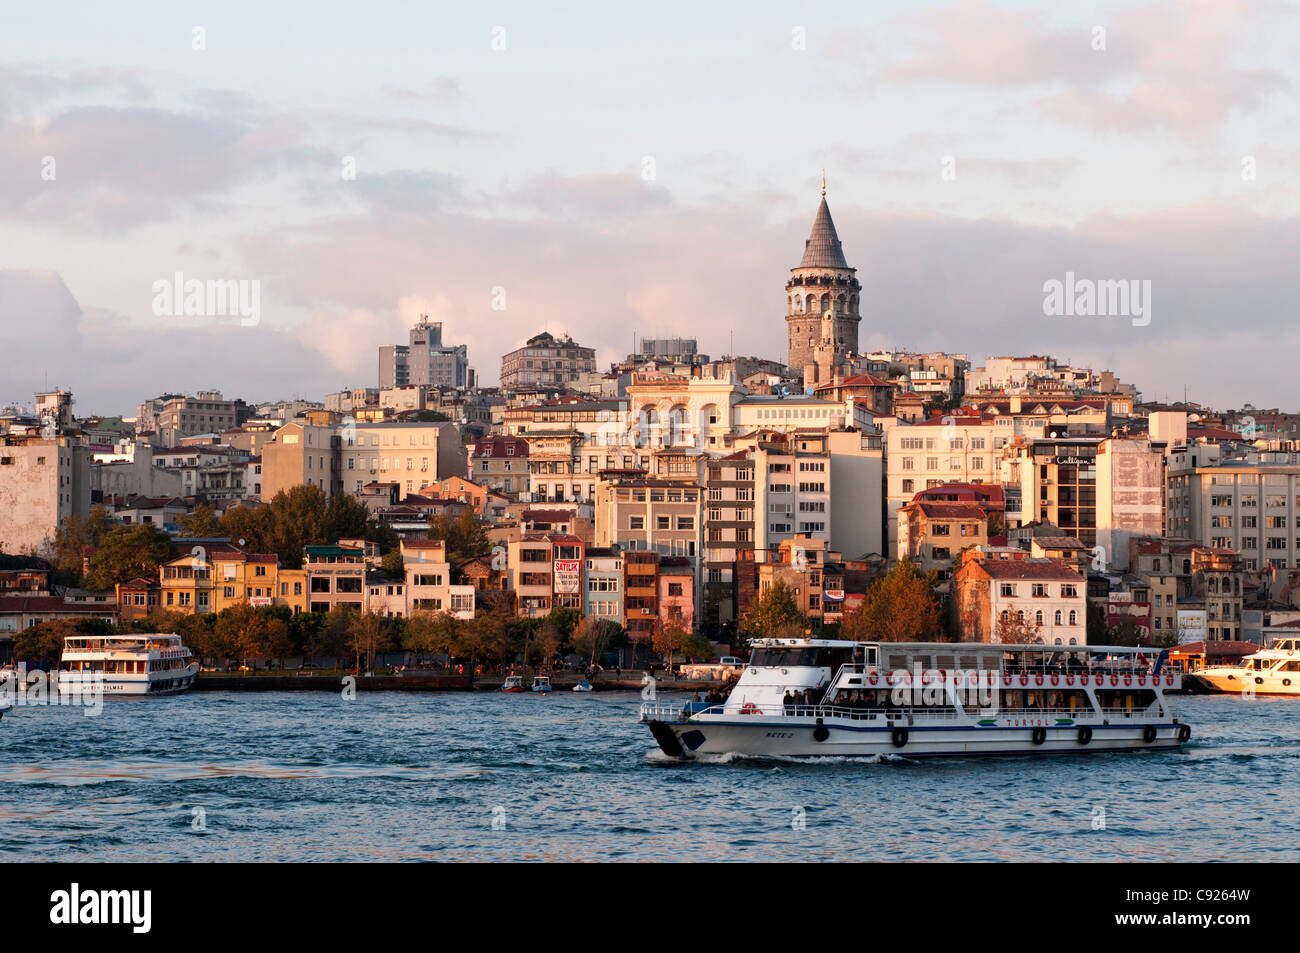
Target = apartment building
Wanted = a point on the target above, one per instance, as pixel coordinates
(931, 534)
(546, 360)
(933, 453)
(1250, 504)
(42, 483)
(650, 513)
(676, 592)
(427, 579)
(728, 528)
(999, 585)
(184, 416)
(501, 464)
(336, 576)
(605, 585)
(1185, 578)
(641, 583)
(799, 564)
(546, 572)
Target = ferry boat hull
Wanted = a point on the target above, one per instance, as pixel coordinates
(780, 738)
(176, 681)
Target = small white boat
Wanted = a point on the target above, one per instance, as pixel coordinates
(152, 664)
(541, 683)
(513, 684)
(1271, 671)
(582, 686)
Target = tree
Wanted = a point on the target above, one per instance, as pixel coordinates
(592, 637)
(1017, 630)
(43, 642)
(1098, 631)
(464, 536)
(669, 639)
(203, 522)
(775, 613)
(127, 552)
(697, 645)
(901, 607)
(369, 637)
(345, 517)
(75, 536)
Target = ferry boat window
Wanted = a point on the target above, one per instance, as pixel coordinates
(784, 657)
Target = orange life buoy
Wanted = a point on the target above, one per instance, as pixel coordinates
(872, 678)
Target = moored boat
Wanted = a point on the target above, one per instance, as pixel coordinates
(1271, 671)
(582, 686)
(150, 664)
(827, 698)
(541, 683)
(513, 684)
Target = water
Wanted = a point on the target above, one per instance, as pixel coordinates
(388, 777)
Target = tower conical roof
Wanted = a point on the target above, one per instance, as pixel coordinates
(822, 249)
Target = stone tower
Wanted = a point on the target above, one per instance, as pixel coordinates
(823, 281)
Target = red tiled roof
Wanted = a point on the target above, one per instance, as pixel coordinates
(1012, 569)
(547, 516)
(948, 511)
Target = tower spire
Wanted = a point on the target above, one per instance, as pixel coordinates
(823, 183)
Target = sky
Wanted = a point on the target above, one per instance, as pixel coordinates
(606, 170)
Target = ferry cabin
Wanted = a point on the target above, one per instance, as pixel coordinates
(128, 664)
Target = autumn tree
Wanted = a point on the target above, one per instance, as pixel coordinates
(43, 642)
(775, 613)
(901, 607)
(668, 640)
(369, 637)
(77, 534)
(1017, 630)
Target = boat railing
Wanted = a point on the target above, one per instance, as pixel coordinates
(658, 711)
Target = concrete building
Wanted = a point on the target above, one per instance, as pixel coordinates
(42, 483)
(728, 529)
(204, 412)
(1130, 496)
(336, 576)
(424, 360)
(932, 534)
(605, 586)
(546, 361)
(428, 583)
(799, 564)
(999, 585)
(1250, 504)
(676, 592)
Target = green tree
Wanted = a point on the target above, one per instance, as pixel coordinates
(901, 607)
(668, 640)
(43, 642)
(774, 613)
(203, 522)
(127, 552)
(75, 536)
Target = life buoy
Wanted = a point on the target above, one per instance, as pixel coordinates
(749, 708)
(1184, 732)
(1085, 734)
(1114, 680)
(872, 678)
(899, 737)
(1038, 679)
(1055, 679)
(1169, 678)
(927, 677)
(1006, 679)
(1258, 680)
(1149, 734)
(1128, 679)
(1024, 679)
(821, 733)
(1286, 682)
(1101, 680)
(1038, 735)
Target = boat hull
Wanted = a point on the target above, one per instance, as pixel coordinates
(71, 683)
(763, 738)
(1258, 683)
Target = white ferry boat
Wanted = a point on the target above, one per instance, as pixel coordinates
(151, 664)
(1271, 671)
(824, 698)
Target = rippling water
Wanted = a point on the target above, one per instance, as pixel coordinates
(306, 776)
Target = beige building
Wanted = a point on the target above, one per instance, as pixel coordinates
(42, 483)
(999, 585)
(546, 361)
(346, 456)
(205, 412)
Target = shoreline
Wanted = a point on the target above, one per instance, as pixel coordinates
(426, 683)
